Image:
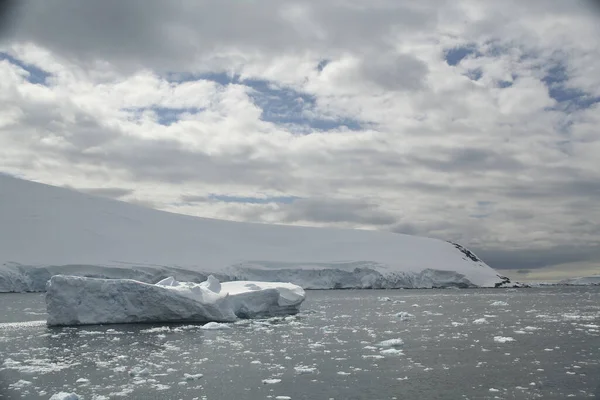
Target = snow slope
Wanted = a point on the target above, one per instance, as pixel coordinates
(73, 300)
(46, 230)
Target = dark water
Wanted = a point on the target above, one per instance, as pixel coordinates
(328, 351)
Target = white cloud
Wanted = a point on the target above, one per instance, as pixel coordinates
(477, 152)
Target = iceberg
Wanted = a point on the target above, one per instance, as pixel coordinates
(73, 300)
(46, 231)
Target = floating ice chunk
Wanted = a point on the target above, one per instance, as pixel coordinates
(375, 356)
(214, 326)
(64, 396)
(270, 381)
(192, 377)
(20, 384)
(494, 390)
(405, 316)
(503, 339)
(384, 299)
(390, 343)
(139, 371)
(302, 369)
(498, 303)
(74, 300)
(283, 398)
(82, 381)
(480, 321)
(343, 373)
(392, 352)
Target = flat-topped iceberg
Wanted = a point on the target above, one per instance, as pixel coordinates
(73, 300)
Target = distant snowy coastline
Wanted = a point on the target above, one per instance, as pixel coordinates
(47, 231)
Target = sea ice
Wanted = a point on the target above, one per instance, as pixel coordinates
(503, 339)
(74, 300)
(392, 352)
(270, 381)
(215, 326)
(64, 396)
(391, 343)
(405, 316)
(192, 377)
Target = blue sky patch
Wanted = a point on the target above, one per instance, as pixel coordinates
(36, 75)
(322, 64)
(166, 115)
(280, 105)
(474, 74)
(569, 99)
(456, 55)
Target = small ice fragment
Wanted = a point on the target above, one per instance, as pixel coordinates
(283, 398)
(494, 390)
(498, 303)
(531, 328)
(137, 371)
(404, 316)
(270, 381)
(390, 343)
(20, 384)
(480, 321)
(64, 396)
(82, 380)
(192, 377)
(503, 339)
(392, 352)
(302, 369)
(214, 326)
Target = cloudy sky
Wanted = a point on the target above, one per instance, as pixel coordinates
(466, 120)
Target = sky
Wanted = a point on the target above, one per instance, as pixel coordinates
(466, 120)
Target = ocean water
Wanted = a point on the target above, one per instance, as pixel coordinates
(351, 344)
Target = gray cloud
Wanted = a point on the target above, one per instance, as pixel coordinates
(329, 210)
(396, 72)
(168, 37)
(8, 9)
(190, 198)
(468, 159)
(524, 259)
(113, 193)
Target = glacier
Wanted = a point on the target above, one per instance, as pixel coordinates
(73, 300)
(47, 230)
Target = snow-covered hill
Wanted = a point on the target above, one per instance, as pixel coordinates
(46, 230)
(582, 281)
